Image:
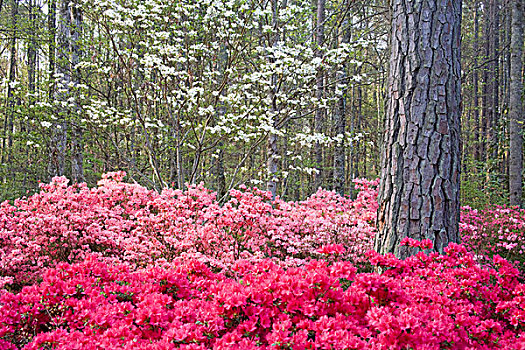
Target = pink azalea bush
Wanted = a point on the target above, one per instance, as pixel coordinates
(130, 224)
(121, 266)
(497, 230)
(425, 302)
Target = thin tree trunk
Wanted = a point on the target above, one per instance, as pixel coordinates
(506, 79)
(358, 101)
(353, 147)
(340, 116)
(31, 52)
(57, 143)
(319, 94)
(32, 48)
(273, 152)
(486, 110)
(475, 79)
(218, 168)
(59, 128)
(9, 115)
(419, 192)
(516, 106)
(51, 27)
(77, 135)
(220, 178)
(178, 143)
(496, 83)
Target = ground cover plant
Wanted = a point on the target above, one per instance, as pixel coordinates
(121, 266)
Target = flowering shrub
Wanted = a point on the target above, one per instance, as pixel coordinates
(130, 224)
(425, 302)
(494, 231)
(120, 266)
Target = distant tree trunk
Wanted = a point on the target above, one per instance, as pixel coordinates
(178, 144)
(31, 52)
(218, 162)
(506, 84)
(77, 154)
(486, 109)
(64, 94)
(340, 115)
(495, 82)
(420, 178)
(218, 168)
(360, 147)
(8, 119)
(32, 48)
(77, 134)
(58, 133)
(319, 94)
(475, 87)
(220, 178)
(51, 27)
(354, 131)
(516, 106)
(273, 152)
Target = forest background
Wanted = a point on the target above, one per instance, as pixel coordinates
(285, 95)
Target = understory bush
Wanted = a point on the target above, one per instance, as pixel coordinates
(123, 267)
(130, 224)
(496, 230)
(425, 302)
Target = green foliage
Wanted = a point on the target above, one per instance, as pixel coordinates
(481, 187)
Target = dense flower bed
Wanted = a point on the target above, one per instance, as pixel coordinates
(425, 302)
(120, 266)
(128, 223)
(495, 231)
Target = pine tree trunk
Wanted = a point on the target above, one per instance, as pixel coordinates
(516, 107)
(420, 179)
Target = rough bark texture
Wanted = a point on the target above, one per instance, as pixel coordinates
(516, 108)
(419, 192)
